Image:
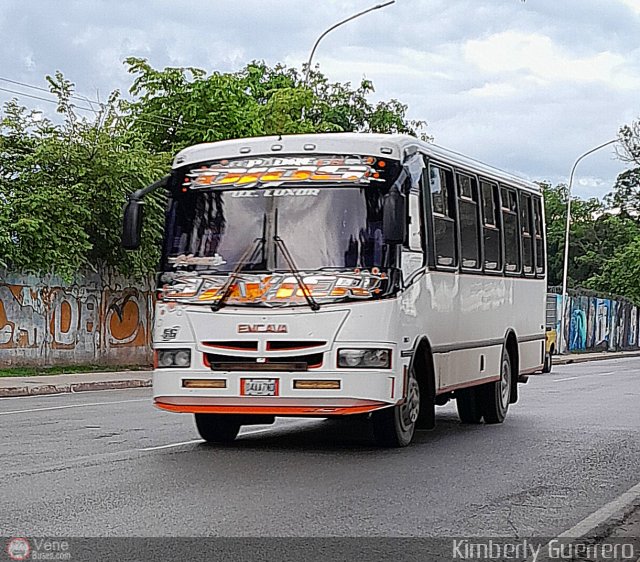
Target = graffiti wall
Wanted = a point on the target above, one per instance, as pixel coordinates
(99, 318)
(597, 324)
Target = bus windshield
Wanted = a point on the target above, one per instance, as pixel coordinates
(324, 225)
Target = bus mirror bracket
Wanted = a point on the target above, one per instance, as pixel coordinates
(134, 214)
(132, 224)
(394, 217)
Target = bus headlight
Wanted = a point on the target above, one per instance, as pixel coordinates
(174, 358)
(364, 358)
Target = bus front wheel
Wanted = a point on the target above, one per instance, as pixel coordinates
(217, 428)
(394, 427)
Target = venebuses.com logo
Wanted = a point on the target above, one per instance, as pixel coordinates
(18, 548)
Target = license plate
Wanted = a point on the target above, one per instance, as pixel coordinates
(259, 387)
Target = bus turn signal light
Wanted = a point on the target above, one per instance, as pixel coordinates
(204, 383)
(316, 385)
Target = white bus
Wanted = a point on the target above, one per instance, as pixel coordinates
(344, 274)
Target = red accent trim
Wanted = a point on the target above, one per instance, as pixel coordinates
(205, 360)
(272, 410)
(468, 384)
(155, 359)
(294, 347)
(230, 347)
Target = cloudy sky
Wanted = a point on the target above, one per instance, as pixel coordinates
(525, 86)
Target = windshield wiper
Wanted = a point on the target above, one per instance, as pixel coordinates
(296, 273)
(248, 256)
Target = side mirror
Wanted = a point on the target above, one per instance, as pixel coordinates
(394, 217)
(132, 224)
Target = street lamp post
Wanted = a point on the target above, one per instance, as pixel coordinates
(354, 16)
(564, 344)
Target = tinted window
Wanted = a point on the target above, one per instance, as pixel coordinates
(469, 210)
(444, 216)
(526, 226)
(511, 233)
(490, 227)
(541, 258)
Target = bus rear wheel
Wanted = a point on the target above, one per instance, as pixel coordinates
(497, 395)
(394, 427)
(217, 428)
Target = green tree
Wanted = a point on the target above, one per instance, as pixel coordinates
(620, 273)
(178, 107)
(625, 196)
(596, 234)
(630, 139)
(63, 186)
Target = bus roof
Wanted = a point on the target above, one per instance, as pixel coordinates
(391, 146)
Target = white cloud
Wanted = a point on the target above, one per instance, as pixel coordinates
(633, 4)
(537, 56)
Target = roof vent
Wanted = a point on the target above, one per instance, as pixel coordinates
(386, 150)
(245, 150)
(309, 146)
(276, 147)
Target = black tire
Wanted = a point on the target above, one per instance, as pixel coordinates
(497, 395)
(468, 404)
(395, 426)
(548, 362)
(218, 428)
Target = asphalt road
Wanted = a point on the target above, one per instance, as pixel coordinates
(109, 464)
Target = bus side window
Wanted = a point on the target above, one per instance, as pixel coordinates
(444, 216)
(526, 228)
(491, 227)
(469, 221)
(511, 235)
(539, 237)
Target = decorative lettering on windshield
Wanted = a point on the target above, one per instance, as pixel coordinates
(269, 171)
(189, 259)
(279, 288)
(281, 192)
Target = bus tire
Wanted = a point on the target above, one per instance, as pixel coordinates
(395, 426)
(218, 428)
(468, 404)
(548, 361)
(495, 401)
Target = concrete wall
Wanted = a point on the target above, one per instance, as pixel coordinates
(99, 318)
(599, 324)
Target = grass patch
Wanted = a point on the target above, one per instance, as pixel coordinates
(68, 369)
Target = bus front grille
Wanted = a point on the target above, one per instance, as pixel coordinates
(217, 362)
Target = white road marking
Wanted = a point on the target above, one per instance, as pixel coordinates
(566, 379)
(243, 433)
(617, 508)
(171, 445)
(613, 508)
(71, 406)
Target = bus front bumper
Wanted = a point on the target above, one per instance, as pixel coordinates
(358, 393)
